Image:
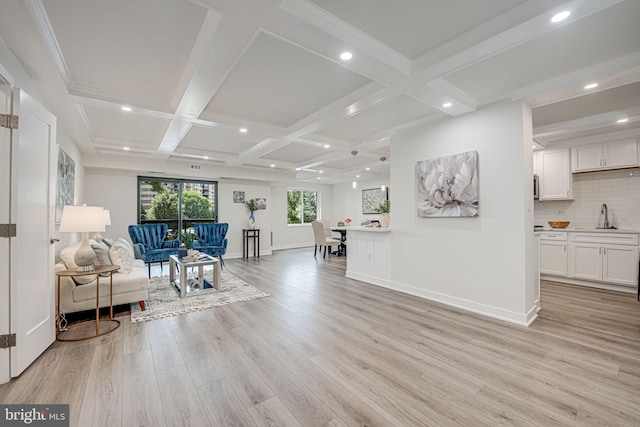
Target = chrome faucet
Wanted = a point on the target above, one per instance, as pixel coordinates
(605, 211)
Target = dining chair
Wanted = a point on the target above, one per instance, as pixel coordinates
(321, 239)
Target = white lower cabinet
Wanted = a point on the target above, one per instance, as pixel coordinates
(553, 258)
(608, 258)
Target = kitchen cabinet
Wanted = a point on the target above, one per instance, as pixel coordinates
(606, 257)
(553, 253)
(554, 170)
(606, 155)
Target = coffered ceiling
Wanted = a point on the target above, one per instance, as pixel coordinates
(196, 72)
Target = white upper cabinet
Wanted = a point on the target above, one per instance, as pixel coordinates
(554, 169)
(607, 155)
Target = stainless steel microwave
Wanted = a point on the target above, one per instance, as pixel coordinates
(535, 187)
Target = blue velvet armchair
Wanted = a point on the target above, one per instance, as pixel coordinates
(149, 244)
(212, 239)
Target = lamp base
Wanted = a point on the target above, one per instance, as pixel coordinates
(85, 257)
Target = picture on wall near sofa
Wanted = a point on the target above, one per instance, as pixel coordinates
(65, 184)
(448, 186)
(238, 197)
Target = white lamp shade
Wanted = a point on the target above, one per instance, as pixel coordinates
(84, 219)
(107, 217)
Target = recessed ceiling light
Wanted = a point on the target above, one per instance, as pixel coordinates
(298, 169)
(272, 165)
(354, 184)
(447, 105)
(327, 146)
(561, 16)
(368, 169)
(533, 146)
(318, 178)
(345, 56)
(243, 130)
(205, 157)
(357, 176)
(591, 86)
(623, 120)
(321, 171)
(126, 148)
(125, 108)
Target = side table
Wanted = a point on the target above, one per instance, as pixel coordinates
(254, 234)
(108, 325)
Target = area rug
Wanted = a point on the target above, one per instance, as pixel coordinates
(164, 300)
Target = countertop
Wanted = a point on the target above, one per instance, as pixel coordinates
(363, 228)
(589, 230)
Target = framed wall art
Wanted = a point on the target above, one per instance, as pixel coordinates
(372, 198)
(448, 186)
(238, 197)
(65, 183)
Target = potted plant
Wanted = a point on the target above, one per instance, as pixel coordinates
(385, 209)
(187, 238)
(252, 206)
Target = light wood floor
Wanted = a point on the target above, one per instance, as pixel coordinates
(324, 350)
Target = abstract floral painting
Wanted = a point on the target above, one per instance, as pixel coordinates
(448, 186)
(65, 184)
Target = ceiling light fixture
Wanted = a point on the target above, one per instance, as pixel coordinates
(591, 86)
(345, 56)
(205, 157)
(125, 108)
(354, 184)
(318, 178)
(357, 176)
(447, 105)
(327, 146)
(243, 130)
(126, 148)
(561, 16)
(367, 169)
(321, 171)
(272, 165)
(623, 120)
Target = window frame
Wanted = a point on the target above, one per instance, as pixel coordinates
(318, 208)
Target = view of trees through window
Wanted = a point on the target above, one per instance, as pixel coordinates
(178, 203)
(301, 206)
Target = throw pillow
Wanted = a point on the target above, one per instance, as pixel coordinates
(108, 241)
(128, 245)
(120, 255)
(102, 253)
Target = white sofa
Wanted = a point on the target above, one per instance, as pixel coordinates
(77, 294)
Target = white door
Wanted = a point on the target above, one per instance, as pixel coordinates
(32, 197)
(5, 191)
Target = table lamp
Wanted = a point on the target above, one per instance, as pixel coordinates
(83, 219)
(107, 221)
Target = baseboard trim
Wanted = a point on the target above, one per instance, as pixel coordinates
(597, 285)
(521, 319)
(292, 246)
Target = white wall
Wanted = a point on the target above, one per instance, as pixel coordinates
(117, 191)
(237, 215)
(296, 236)
(479, 263)
(347, 201)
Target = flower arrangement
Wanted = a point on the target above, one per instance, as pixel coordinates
(347, 220)
(252, 205)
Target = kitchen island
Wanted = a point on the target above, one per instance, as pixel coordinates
(369, 258)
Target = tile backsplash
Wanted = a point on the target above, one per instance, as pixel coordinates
(619, 189)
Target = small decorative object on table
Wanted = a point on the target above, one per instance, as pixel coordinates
(559, 224)
(252, 206)
(347, 221)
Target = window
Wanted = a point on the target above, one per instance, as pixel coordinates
(302, 206)
(177, 203)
